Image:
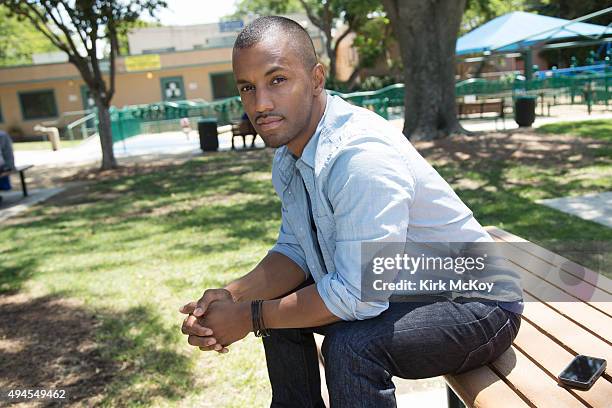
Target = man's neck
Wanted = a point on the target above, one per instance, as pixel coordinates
(297, 145)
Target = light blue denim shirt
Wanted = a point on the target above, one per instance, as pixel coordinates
(366, 182)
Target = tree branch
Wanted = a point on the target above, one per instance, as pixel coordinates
(393, 14)
(114, 48)
(93, 56)
(342, 36)
(74, 21)
(313, 19)
(58, 24)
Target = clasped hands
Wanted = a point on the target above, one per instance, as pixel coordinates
(216, 320)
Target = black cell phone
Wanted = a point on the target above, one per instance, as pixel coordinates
(582, 372)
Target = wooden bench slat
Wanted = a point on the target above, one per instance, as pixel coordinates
(596, 322)
(553, 359)
(570, 335)
(578, 288)
(571, 267)
(482, 388)
(521, 372)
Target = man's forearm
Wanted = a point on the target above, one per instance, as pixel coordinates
(273, 277)
(303, 308)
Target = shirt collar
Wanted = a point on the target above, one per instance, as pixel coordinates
(310, 150)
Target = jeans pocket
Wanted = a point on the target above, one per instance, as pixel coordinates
(490, 350)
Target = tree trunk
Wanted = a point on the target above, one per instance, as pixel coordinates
(427, 34)
(106, 136)
(351, 82)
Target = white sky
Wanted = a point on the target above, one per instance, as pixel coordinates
(185, 12)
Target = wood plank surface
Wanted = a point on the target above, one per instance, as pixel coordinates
(553, 358)
(565, 332)
(482, 388)
(532, 381)
(601, 281)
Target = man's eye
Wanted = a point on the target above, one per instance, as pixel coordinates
(247, 88)
(278, 80)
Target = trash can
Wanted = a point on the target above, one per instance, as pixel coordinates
(524, 110)
(209, 138)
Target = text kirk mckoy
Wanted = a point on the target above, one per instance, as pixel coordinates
(432, 285)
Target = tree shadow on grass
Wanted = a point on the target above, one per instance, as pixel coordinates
(14, 274)
(98, 357)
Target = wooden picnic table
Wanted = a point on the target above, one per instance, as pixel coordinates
(579, 321)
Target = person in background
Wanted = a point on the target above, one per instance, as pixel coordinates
(7, 160)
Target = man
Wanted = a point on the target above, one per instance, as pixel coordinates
(344, 176)
(7, 160)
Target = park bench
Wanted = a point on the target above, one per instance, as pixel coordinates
(21, 170)
(464, 109)
(243, 129)
(551, 334)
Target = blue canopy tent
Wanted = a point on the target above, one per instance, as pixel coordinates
(519, 30)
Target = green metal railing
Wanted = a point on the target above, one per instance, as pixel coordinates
(165, 116)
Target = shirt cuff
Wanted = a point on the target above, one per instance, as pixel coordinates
(343, 304)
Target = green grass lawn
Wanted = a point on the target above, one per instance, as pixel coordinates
(502, 190)
(134, 247)
(597, 129)
(21, 146)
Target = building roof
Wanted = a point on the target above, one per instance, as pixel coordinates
(517, 30)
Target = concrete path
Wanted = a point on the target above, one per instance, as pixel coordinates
(592, 207)
(175, 143)
(168, 143)
(558, 114)
(13, 202)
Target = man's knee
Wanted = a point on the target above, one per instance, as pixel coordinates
(341, 348)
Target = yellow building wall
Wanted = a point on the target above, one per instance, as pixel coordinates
(131, 88)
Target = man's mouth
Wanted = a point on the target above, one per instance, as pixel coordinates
(269, 122)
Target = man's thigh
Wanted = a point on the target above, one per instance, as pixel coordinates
(420, 340)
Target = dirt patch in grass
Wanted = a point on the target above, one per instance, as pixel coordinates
(520, 146)
(48, 342)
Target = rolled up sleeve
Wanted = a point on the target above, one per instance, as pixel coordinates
(287, 245)
(370, 188)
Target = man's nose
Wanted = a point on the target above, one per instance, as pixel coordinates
(263, 101)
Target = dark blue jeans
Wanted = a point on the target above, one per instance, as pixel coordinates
(409, 340)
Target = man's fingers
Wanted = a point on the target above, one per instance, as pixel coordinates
(193, 327)
(217, 347)
(202, 305)
(208, 297)
(201, 341)
(188, 308)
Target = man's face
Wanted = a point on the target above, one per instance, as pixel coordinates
(276, 90)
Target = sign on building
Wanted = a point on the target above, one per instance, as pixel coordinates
(227, 26)
(148, 62)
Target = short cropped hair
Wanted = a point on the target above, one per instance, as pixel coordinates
(264, 27)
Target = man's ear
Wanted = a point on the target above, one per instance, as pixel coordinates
(318, 78)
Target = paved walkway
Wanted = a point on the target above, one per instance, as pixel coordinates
(14, 202)
(168, 143)
(175, 143)
(592, 207)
